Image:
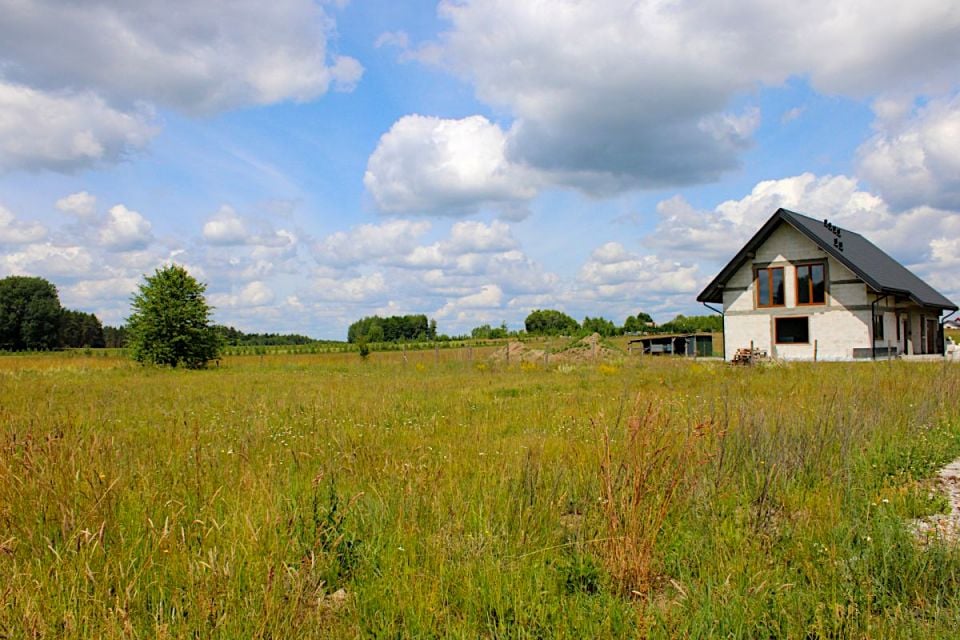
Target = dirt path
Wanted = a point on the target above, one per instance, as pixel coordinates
(944, 525)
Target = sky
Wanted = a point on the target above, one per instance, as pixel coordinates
(315, 162)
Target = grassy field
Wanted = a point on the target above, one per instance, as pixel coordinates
(317, 495)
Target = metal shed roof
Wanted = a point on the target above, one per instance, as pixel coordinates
(879, 271)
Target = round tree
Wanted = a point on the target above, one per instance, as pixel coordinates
(170, 323)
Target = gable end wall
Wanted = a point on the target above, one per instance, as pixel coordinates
(838, 326)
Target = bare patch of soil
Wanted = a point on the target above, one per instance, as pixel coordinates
(945, 526)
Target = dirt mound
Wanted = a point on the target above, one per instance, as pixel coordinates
(587, 349)
(517, 352)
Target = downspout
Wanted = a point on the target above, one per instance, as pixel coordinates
(723, 328)
(943, 333)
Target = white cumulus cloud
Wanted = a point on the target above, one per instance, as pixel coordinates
(357, 289)
(470, 236)
(428, 165)
(193, 56)
(80, 204)
(48, 260)
(613, 95)
(106, 291)
(65, 131)
(914, 158)
(253, 294)
(613, 271)
(464, 308)
(125, 230)
(387, 241)
(81, 81)
(14, 231)
(225, 228)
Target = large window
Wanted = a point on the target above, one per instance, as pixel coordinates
(770, 287)
(792, 330)
(811, 288)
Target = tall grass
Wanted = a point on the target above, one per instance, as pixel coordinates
(639, 482)
(454, 497)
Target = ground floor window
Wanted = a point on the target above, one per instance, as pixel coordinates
(878, 326)
(792, 330)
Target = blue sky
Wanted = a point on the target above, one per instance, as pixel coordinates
(316, 162)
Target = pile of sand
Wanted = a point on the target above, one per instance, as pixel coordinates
(587, 349)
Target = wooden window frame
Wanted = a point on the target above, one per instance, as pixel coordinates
(756, 280)
(796, 274)
(776, 333)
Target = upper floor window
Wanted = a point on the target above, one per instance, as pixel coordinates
(811, 287)
(770, 287)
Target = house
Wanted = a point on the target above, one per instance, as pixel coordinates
(805, 289)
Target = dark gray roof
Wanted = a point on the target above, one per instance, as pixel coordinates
(879, 271)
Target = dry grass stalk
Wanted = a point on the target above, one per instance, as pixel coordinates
(640, 481)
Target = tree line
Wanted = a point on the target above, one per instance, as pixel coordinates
(170, 324)
(232, 337)
(32, 318)
(540, 322)
(392, 329)
(550, 322)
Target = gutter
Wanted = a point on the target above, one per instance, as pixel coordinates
(723, 329)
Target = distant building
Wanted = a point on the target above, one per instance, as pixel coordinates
(681, 344)
(802, 289)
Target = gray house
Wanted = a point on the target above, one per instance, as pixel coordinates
(803, 288)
